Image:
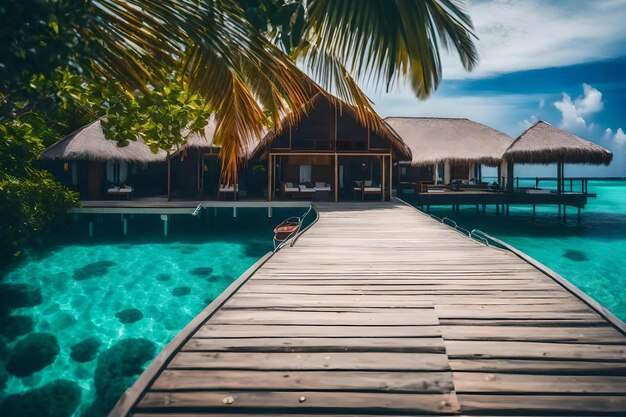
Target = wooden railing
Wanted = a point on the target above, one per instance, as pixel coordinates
(573, 184)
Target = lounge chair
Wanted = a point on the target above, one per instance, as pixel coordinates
(370, 189)
(322, 186)
(366, 187)
(305, 190)
(121, 191)
(289, 188)
(227, 189)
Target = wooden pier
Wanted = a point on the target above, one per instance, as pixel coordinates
(380, 310)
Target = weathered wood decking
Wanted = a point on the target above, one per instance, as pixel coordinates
(380, 310)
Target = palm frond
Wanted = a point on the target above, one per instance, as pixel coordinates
(387, 40)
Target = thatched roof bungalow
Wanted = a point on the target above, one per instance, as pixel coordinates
(93, 164)
(328, 153)
(446, 149)
(434, 140)
(543, 143)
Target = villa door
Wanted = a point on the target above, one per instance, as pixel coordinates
(94, 180)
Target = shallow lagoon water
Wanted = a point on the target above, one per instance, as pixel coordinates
(83, 316)
(590, 254)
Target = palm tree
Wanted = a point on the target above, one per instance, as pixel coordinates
(243, 75)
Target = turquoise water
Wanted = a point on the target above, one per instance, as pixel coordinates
(590, 254)
(81, 317)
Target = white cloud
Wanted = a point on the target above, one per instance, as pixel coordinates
(529, 122)
(542, 103)
(518, 35)
(573, 113)
(619, 138)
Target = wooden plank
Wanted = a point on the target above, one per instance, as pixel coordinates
(533, 350)
(475, 382)
(260, 330)
(554, 334)
(534, 366)
(311, 361)
(414, 317)
(300, 344)
(415, 382)
(305, 401)
(350, 301)
(543, 404)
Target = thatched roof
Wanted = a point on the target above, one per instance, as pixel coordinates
(543, 143)
(203, 140)
(434, 140)
(89, 144)
(287, 122)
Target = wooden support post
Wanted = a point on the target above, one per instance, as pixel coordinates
(564, 211)
(234, 212)
(270, 170)
(559, 211)
(269, 212)
(534, 210)
(336, 178)
(165, 219)
(382, 182)
(390, 177)
(579, 214)
(169, 178)
(125, 227)
(90, 229)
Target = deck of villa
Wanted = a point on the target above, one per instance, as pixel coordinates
(380, 310)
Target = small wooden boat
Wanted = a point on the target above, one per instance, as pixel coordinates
(288, 229)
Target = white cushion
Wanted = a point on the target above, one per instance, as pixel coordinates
(322, 188)
(305, 189)
(371, 189)
(289, 185)
(229, 189)
(291, 189)
(320, 184)
(368, 183)
(125, 190)
(113, 190)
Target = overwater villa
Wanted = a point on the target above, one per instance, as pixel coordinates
(328, 155)
(446, 151)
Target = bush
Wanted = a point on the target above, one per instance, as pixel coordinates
(29, 204)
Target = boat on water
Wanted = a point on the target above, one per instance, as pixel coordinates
(288, 229)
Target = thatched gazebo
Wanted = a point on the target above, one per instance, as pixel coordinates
(450, 141)
(543, 143)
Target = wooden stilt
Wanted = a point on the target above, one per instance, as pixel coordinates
(169, 178)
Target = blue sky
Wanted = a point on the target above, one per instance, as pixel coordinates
(562, 61)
